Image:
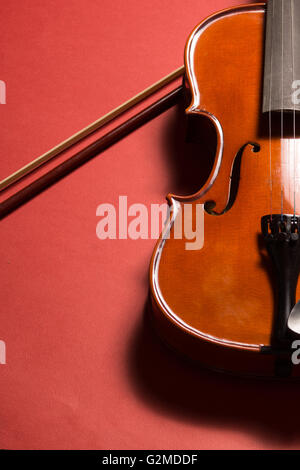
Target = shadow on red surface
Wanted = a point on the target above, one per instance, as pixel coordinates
(184, 391)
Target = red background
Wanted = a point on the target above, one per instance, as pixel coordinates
(83, 368)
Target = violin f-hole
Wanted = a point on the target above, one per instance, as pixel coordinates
(234, 181)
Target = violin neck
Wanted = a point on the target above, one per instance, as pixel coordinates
(282, 56)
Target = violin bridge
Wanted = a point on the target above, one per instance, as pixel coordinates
(282, 237)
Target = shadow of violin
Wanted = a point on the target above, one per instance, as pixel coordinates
(180, 389)
(189, 148)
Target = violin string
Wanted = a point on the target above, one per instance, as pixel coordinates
(294, 103)
(270, 120)
(281, 115)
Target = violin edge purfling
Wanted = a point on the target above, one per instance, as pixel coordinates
(219, 305)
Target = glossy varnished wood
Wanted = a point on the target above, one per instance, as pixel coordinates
(217, 304)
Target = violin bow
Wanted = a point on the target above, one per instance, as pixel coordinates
(86, 131)
(60, 171)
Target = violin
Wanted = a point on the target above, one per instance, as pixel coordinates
(231, 304)
(228, 300)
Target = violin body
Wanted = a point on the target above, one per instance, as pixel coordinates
(217, 304)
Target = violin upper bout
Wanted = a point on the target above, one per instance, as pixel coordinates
(223, 61)
(216, 48)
